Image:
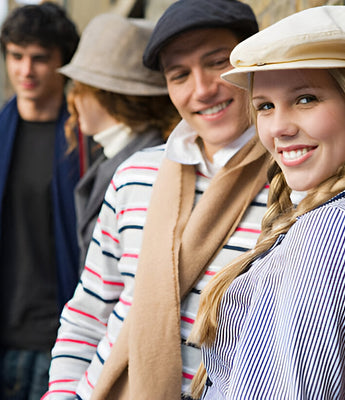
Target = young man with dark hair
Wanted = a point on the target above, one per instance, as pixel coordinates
(38, 244)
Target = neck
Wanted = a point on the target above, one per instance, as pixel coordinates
(43, 110)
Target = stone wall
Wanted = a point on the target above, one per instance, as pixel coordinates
(270, 11)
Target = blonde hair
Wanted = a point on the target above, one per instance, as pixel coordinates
(137, 112)
(280, 216)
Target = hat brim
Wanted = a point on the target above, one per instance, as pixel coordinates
(111, 83)
(240, 76)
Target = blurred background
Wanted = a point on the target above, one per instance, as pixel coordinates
(82, 11)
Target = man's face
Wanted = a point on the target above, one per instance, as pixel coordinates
(32, 71)
(192, 64)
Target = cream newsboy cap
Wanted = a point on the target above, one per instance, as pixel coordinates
(109, 56)
(313, 38)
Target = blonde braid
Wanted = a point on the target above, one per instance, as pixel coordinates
(198, 382)
(279, 201)
(280, 216)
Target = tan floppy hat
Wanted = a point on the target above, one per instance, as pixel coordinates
(109, 57)
(313, 38)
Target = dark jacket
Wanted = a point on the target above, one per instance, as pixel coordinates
(65, 177)
(91, 188)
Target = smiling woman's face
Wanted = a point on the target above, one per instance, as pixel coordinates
(301, 121)
(192, 64)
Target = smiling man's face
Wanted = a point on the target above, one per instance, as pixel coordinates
(192, 64)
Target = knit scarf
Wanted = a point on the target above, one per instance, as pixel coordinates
(179, 242)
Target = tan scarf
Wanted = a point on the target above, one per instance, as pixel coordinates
(179, 242)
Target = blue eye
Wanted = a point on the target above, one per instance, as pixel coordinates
(264, 107)
(305, 99)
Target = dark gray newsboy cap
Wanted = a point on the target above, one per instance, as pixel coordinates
(185, 15)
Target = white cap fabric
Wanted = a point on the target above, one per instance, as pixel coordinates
(312, 38)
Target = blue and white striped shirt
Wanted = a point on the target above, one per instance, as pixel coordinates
(281, 324)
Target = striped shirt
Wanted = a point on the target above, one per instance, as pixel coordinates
(92, 319)
(281, 332)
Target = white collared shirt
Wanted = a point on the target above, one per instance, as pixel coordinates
(183, 148)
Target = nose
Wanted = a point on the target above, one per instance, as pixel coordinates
(283, 124)
(27, 66)
(205, 85)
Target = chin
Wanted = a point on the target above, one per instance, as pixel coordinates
(299, 186)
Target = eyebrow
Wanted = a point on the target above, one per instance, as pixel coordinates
(291, 90)
(305, 87)
(260, 97)
(210, 53)
(45, 55)
(13, 52)
(215, 51)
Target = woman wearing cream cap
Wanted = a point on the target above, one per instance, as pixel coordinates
(271, 324)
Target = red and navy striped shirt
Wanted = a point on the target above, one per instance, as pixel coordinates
(92, 319)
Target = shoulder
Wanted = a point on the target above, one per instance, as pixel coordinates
(153, 153)
(9, 117)
(325, 218)
(318, 237)
(142, 166)
(309, 257)
(146, 159)
(9, 107)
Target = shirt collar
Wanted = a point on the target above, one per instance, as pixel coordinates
(183, 148)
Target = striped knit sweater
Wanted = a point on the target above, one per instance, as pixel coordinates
(91, 320)
(281, 331)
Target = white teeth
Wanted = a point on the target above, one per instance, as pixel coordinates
(215, 109)
(294, 154)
